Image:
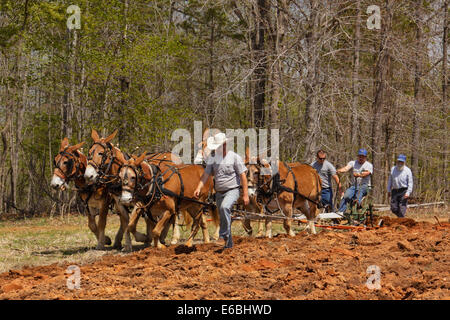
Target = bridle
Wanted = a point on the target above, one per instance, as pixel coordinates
(108, 154)
(261, 185)
(72, 163)
(125, 179)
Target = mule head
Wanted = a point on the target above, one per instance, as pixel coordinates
(258, 173)
(129, 176)
(68, 162)
(100, 155)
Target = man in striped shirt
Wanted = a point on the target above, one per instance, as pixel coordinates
(400, 186)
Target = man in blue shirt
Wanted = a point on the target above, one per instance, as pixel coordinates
(400, 186)
(361, 172)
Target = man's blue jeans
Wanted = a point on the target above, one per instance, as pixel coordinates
(352, 193)
(225, 202)
(327, 198)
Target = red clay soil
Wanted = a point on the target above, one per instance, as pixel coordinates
(414, 259)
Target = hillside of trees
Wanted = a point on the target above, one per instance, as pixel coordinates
(318, 70)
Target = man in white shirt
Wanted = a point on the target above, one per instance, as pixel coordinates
(400, 186)
(361, 172)
(229, 173)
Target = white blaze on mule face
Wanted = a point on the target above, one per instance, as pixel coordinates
(126, 197)
(57, 182)
(90, 173)
(251, 191)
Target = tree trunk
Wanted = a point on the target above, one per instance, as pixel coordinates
(444, 94)
(380, 101)
(417, 100)
(312, 85)
(278, 49)
(355, 135)
(260, 74)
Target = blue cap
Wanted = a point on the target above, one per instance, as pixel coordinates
(362, 152)
(401, 158)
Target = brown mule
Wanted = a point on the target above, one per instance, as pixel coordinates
(167, 191)
(296, 186)
(102, 171)
(132, 179)
(70, 165)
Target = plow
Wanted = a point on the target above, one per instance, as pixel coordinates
(364, 216)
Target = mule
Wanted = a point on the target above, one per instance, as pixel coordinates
(131, 199)
(102, 171)
(294, 186)
(70, 165)
(166, 191)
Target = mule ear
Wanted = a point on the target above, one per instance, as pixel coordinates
(120, 157)
(76, 147)
(94, 135)
(146, 168)
(139, 160)
(112, 136)
(64, 144)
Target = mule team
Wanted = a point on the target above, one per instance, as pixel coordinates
(160, 188)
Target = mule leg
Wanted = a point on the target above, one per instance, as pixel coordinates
(93, 225)
(132, 227)
(287, 223)
(195, 227)
(101, 227)
(261, 228)
(131, 224)
(156, 233)
(176, 230)
(166, 228)
(150, 226)
(268, 223)
(204, 226)
(246, 223)
(216, 220)
(124, 220)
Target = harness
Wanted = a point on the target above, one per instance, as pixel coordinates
(156, 188)
(74, 161)
(276, 186)
(103, 176)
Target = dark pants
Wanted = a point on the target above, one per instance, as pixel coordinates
(398, 202)
(327, 198)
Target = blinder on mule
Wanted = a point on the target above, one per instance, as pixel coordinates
(69, 164)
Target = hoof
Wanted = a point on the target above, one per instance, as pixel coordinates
(127, 249)
(174, 241)
(108, 241)
(100, 247)
(291, 233)
(260, 235)
(160, 246)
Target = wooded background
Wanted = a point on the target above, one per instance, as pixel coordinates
(311, 68)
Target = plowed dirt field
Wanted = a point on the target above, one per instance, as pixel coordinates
(413, 259)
